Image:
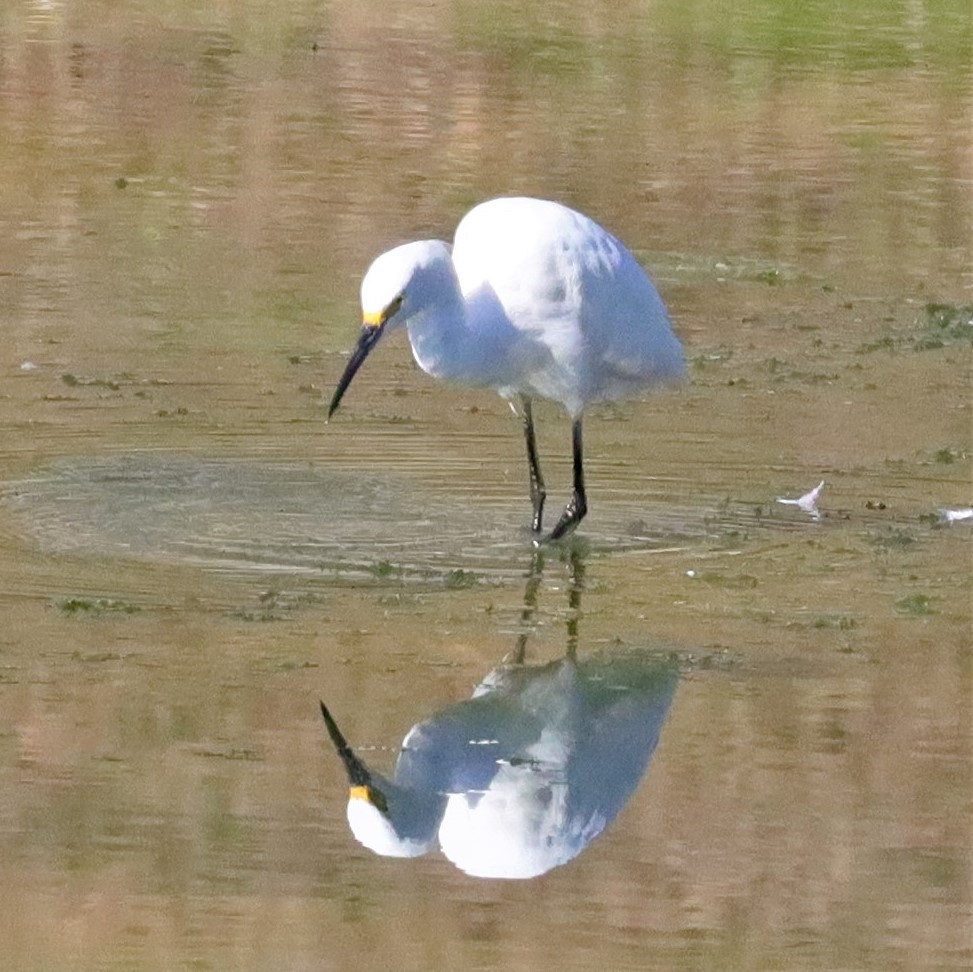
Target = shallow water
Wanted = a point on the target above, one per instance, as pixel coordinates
(190, 558)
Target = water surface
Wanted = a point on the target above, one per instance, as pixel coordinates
(190, 558)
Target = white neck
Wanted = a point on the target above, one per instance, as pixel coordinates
(460, 337)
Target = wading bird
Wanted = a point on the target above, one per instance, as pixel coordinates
(522, 777)
(533, 300)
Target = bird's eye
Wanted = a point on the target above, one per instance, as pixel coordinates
(393, 308)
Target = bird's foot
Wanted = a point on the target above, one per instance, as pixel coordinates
(561, 532)
(573, 514)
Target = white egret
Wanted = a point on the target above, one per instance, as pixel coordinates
(532, 300)
(521, 777)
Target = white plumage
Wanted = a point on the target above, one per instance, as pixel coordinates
(533, 300)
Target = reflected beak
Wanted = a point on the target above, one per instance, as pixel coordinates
(370, 333)
(359, 776)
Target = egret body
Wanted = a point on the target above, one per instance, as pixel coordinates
(533, 300)
(521, 777)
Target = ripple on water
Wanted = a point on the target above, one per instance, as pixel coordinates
(289, 517)
(336, 523)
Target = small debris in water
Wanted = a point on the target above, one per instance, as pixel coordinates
(949, 517)
(96, 606)
(808, 502)
(460, 579)
(918, 605)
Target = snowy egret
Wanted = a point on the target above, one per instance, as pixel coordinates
(520, 778)
(533, 300)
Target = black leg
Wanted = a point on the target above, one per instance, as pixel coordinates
(575, 587)
(578, 505)
(537, 492)
(534, 577)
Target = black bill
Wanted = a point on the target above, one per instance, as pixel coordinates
(367, 340)
(358, 774)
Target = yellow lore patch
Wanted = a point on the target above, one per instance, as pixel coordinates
(370, 795)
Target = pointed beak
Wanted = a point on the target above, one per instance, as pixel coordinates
(360, 786)
(358, 773)
(370, 333)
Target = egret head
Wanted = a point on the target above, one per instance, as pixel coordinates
(399, 284)
(384, 817)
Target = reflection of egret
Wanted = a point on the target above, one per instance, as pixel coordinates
(521, 777)
(533, 299)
